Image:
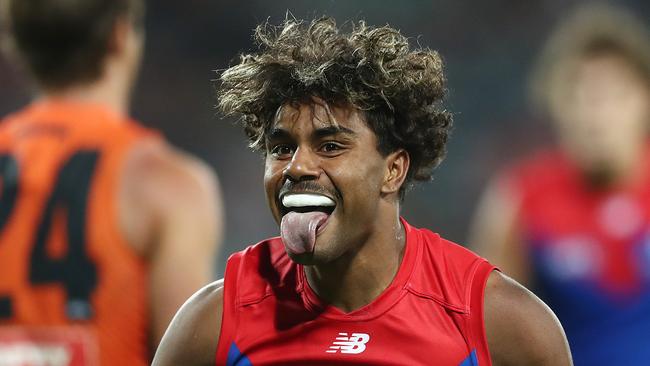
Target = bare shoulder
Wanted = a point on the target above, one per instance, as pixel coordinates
(192, 337)
(168, 169)
(520, 328)
(160, 184)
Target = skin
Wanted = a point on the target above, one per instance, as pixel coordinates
(355, 256)
(601, 119)
(169, 204)
(520, 328)
(351, 270)
(170, 213)
(601, 116)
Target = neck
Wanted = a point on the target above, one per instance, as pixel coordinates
(359, 276)
(620, 172)
(112, 90)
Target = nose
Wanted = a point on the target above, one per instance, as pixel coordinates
(303, 166)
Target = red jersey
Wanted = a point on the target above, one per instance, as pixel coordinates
(431, 313)
(589, 250)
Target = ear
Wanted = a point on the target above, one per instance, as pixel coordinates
(397, 166)
(119, 38)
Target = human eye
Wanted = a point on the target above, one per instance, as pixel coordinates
(330, 147)
(281, 151)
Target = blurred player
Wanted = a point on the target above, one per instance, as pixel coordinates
(573, 222)
(106, 229)
(346, 122)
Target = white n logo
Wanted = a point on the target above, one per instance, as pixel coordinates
(354, 344)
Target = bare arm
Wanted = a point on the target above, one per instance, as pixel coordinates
(193, 334)
(495, 232)
(520, 328)
(172, 214)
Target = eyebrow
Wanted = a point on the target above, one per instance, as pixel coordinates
(333, 130)
(275, 134)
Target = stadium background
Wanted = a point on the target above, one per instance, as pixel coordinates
(488, 47)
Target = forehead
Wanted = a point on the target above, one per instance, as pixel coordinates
(318, 114)
(589, 71)
(607, 65)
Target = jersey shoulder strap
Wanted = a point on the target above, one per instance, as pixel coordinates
(251, 276)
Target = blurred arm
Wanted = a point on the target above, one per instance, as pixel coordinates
(495, 232)
(172, 212)
(193, 334)
(520, 328)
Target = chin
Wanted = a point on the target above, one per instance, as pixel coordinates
(320, 255)
(600, 176)
(306, 259)
(309, 259)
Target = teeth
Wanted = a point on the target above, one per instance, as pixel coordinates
(306, 199)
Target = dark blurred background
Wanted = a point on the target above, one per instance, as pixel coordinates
(488, 47)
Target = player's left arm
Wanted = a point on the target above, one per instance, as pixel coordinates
(188, 237)
(176, 201)
(520, 328)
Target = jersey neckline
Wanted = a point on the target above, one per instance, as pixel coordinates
(66, 106)
(382, 303)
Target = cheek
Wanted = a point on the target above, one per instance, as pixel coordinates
(637, 111)
(272, 181)
(360, 183)
(273, 170)
(269, 175)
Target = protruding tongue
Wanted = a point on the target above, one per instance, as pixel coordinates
(298, 230)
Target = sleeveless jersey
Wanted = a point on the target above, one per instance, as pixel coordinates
(590, 252)
(431, 313)
(72, 292)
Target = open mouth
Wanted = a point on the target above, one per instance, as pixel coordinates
(304, 217)
(307, 202)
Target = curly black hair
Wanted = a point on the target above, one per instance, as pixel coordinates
(373, 69)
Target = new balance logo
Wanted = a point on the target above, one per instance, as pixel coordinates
(354, 344)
